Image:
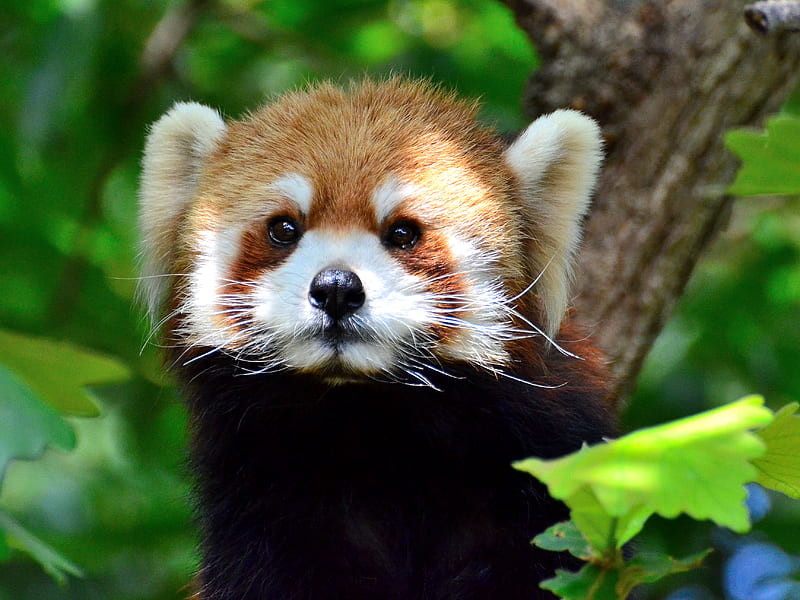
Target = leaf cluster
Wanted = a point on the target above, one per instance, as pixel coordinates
(696, 466)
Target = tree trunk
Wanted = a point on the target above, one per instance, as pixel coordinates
(665, 79)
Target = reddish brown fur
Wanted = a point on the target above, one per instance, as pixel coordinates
(348, 143)
(256, 254)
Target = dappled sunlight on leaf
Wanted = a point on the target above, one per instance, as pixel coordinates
(698, 466)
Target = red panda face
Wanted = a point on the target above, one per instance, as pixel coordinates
(372, 234)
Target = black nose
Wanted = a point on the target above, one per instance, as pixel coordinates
(339, 293)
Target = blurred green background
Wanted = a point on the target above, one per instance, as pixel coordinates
(79, 82)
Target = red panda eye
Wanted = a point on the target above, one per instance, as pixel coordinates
(403, 235)
(283, 231)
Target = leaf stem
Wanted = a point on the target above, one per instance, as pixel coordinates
(52, 562)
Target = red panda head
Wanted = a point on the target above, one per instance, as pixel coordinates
(367, 232)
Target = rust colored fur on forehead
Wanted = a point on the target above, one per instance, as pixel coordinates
(348, 142)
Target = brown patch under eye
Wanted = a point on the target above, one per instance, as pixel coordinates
(257, 254)
(430, 260)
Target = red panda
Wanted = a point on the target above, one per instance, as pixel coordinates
(361, 292)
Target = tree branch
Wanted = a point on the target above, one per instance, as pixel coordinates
(773, 17)
(665, 80)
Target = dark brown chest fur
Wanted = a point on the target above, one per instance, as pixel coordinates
(379, 491)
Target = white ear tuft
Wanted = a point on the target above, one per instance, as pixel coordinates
(177, 147)
(556, 161)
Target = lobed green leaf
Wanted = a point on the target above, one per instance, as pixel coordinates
(649, 567)
(592, 582)
(27, 426)
(779, 467)
(564, 537)
(602, 530)
(59, 372)
(612, 581)
(771, 159)
(698, 466)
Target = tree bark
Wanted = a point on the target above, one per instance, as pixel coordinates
(665, 79)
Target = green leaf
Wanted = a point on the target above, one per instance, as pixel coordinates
(649, 567)
(598, 579)
(59, 372)
(564, 537)
(698, 466)
(779, 468)
(771, 159)
(590, 583)
(52, 562)
(602, 530)
(27, 426)
(616, 581)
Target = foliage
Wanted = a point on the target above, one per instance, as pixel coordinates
(772, 158)
(54, 563)
(697, 466)
(55, 376)
(28, 426)
(779, 468)
(737, 330)
(81, 81)
(609, 576)
(58, 372)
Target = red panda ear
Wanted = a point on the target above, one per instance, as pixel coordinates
(176, 149)
(556, 161)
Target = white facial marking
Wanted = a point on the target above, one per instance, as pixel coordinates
(273, 325)
(396, 304)
(483, 330)
(216, 252)
(296, 188)
(556, 160)
(389, 195)
(177, 146)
